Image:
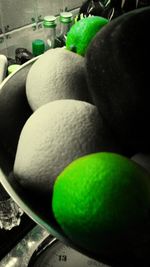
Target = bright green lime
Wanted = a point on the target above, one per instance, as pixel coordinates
(82, 33)
(99, 197)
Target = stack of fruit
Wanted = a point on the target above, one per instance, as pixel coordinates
(86, 114)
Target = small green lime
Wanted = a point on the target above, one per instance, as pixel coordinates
(82, 33)
(102, 201)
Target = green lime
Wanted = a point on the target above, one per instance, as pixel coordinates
(101, 201)
(82, 33)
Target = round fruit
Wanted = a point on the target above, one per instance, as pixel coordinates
(82, 33)
(57, 74)
(102, 203)
(53, 136)
(118, 77)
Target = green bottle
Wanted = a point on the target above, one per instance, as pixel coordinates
(49, 24)
(66, 21)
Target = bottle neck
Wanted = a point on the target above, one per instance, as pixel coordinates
(64, 28)
(52, 31)
(50, 34)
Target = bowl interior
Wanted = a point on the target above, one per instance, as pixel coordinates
(32, 205)
(38, 210)
(13, 87)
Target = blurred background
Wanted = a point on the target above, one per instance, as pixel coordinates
(21, 21)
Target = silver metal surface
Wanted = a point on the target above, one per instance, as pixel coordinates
(46, 251)
(20, 255)
(59, 255)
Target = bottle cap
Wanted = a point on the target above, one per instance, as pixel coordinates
(13, 67)
(66, 17)
(38, 47)
(49, 21)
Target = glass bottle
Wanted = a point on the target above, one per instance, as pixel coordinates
(66, 21)
(49, 24)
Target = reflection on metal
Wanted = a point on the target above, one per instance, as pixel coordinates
(21, 254)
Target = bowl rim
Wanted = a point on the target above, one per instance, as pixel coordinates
(6, 182)
(22, 204)
(17, 70)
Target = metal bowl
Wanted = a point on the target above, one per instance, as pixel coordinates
(14, 111)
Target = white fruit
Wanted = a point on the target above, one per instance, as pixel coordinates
(55, 135)
(57, 74)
